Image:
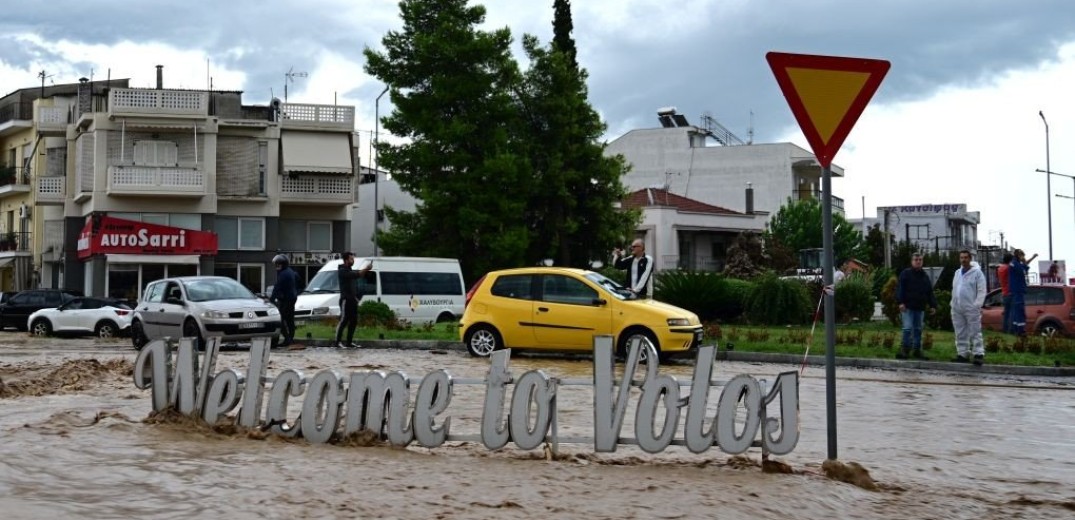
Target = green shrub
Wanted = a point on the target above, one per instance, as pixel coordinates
(372, 313)
(773, 301)
(735, 302)
(854, 299)
(942, 319)
(889, 307)
(710, 295)
(878, 278)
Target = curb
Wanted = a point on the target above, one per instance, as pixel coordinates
(764, 357)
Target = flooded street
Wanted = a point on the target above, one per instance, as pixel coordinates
(75, 443)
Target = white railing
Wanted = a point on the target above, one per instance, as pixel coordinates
(52, 118)
(322, 116)
(150, 101)
(51, 189)
(161, 180)
(317, 188)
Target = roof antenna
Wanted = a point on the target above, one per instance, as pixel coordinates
(289, 77)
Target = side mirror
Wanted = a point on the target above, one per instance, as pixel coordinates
(597, 302)
(173, 300)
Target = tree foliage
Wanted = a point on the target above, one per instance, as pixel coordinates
(797, 225)
(505, 164)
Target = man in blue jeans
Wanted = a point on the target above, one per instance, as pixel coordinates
(914, 292)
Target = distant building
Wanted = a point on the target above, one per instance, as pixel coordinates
(930, 227)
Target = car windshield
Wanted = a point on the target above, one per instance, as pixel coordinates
(611, 287)
(324, 282)
(217, 289)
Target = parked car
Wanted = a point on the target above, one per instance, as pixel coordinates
(552, 308)
(1050, 310)
(98, 316)
(200, 307)
(16, 311)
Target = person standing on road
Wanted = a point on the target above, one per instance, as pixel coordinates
(1017, 271)
(968, 295)
(284, 294)
(639, 267)
(1005, 292)
(914, 292)
(348, 279)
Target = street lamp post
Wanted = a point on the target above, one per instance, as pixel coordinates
(1051, 173)
(376, 173)
(1048, 184)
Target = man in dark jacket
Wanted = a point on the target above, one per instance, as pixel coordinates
(349, 296)
(284, 294)
(914, 293)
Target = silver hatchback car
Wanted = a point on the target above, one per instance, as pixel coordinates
(200, 307)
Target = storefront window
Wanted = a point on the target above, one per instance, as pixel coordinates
(252, 277)
(123, 281)
(251, 233)
(320, 236)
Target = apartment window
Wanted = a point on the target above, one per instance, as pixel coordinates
(319, 236)
(263, 166)
(156, 153)
(240, 233)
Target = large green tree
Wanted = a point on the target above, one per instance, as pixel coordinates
(797, 225)
(451, 87)
(571, 210)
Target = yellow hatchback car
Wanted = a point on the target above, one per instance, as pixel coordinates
(562, 309)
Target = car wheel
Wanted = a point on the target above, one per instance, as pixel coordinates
(483, 340)
(192, 330)
(445, 318)
(629, 335)
(1049, 329)
(138, 335)
(41, 327)
(106, 329)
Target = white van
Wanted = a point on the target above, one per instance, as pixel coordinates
(419, 290)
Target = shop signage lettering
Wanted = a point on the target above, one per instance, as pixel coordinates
(108, 235)
(521, 410)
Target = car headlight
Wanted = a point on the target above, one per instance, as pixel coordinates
(319, 310)
(678, 322)
(274, 312)
(215, 314)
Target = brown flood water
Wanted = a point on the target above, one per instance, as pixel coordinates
(74, 443)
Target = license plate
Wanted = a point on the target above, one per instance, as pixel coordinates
(248, 325)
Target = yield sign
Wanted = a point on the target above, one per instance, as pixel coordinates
(827, 94)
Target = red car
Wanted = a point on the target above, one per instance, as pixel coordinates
(1050, 310)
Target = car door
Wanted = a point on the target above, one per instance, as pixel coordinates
(151, 310)
(66, 316)
(512, 309)
(20, 307)
(569, 313)
(86, 311)
(173, 310)
(1044, 303)
(993, 310)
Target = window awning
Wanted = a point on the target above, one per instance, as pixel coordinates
(316, 152)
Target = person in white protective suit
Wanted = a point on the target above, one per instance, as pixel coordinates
(968, 294)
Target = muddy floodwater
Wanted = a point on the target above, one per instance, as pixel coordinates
(75, 442)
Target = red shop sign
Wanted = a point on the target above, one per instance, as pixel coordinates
(106, 235)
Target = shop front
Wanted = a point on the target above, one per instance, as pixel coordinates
(120, 257)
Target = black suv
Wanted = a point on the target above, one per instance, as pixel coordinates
(18, 309)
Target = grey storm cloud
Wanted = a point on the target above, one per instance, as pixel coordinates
(718, 67)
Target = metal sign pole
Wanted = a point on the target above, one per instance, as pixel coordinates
(830, 306)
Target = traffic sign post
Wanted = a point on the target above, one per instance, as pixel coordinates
(827, 94)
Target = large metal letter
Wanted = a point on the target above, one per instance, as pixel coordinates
(495, 434)
(184, 384)
(653, 389)
(787, 386)
(369, 395)
(160, 354)
(532, 389)
(609, 411)
(698, 439)
(434, 396)
(321, 407)
(250, 413)
(747, 389)
(290, 383)
(223, 395)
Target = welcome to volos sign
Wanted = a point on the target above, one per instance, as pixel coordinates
(382, 401)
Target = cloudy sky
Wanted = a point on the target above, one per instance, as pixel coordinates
(955, 121)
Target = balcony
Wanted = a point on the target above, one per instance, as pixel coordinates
(15, 117)
(837, 202)
(165, 181)
(51, 190)
(317, 117)
(151, 102)
(317, 189)
(13, 181)
(16, 241)
(52, 120)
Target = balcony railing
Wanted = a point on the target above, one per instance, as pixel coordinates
(16, 241)
(328, 117)
(51, 189)
(837, 202)
(317, 189)
(156, 180)
(13, 175)
(53, 119)
(130, 101)
(22, 111)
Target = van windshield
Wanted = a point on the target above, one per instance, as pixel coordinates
(324, 282)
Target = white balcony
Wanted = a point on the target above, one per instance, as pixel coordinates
(52, 120)
(152, 102)
(326, 117)
(317, 189)
(171, 181)
(51, 190)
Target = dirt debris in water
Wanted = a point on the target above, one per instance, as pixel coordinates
(852, 473)
(76, 375)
